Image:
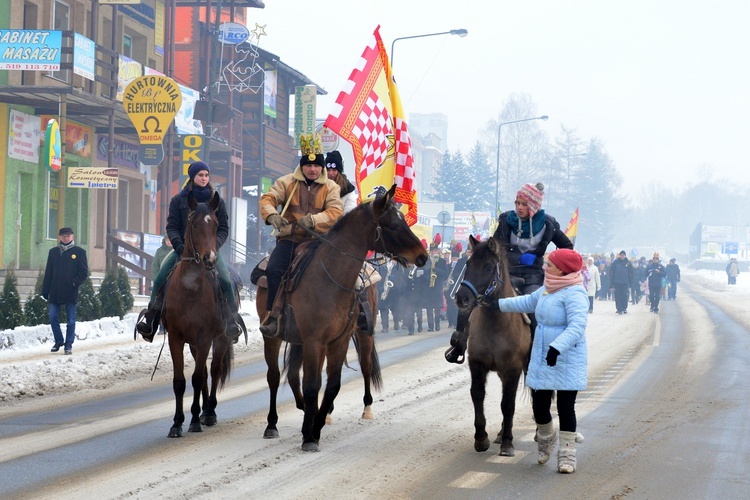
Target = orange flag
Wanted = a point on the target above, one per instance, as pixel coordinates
(369, 116)
(572, 230)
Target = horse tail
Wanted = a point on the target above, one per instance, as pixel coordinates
(376, 377)
(225, 363)
(292, 357)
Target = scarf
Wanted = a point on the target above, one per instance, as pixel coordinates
(555, 283)
(526, 230)
(64, 248)
(202, 194)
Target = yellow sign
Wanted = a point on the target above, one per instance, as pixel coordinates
(151, 102)
(93, 177)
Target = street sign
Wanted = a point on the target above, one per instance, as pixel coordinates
(443, 217)
(730, 247)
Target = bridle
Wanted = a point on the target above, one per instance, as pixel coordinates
(196, 256)
(479, 298)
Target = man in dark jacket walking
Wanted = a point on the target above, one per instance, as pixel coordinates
(656, 272)
(621, 276)
(673, 276)
(67, 268)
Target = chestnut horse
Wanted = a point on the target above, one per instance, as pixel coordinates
(325, 331)
(193, 317)
(498, 341)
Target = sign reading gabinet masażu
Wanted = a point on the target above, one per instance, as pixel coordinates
(151, 102)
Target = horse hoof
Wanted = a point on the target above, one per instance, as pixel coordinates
(328, 420)
(271, 434)
(482, 445)
(498, 440)
(367, 413)
(175, 432)
(311, 446)
(209, 421)
(195, 427)
(507, 451)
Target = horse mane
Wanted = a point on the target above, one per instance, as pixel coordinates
(342, 222)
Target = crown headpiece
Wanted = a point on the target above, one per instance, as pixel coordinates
(311, 145)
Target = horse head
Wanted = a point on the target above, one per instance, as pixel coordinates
(200, 233)
(485, 272)
(393, 237)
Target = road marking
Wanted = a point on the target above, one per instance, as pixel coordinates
(474, 480)
(657, 333)
(520, 455)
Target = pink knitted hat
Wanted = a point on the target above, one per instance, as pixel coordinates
(533, 194)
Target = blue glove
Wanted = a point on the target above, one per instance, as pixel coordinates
(552, 356)
(528, 259)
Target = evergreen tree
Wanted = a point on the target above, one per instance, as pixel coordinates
(123, 283)
(110, 297)
(480, 172)
(36, 309)
(452, 181)
(595, 193)
(11, 314)
(89, 308)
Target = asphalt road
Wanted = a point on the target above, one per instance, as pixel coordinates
(666, 415)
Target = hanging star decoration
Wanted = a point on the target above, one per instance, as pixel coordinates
(245, 66)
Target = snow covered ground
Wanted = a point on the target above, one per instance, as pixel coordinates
(105, 353)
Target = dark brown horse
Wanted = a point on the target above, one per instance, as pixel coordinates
(498, 341)
(367, 354)
(325, 331)
(193, 317)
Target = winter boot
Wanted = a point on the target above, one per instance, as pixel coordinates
(270, 327)
(233, 323)
(566, 455)
(546, 435)
(148, 320)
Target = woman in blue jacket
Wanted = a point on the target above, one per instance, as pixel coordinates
(558, 354)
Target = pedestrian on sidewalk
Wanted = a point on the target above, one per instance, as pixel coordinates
(67, 268)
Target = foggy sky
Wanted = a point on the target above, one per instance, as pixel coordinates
(663, 84)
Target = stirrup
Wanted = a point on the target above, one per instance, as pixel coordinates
(141, 324)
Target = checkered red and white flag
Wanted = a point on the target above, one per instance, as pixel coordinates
(368, 114)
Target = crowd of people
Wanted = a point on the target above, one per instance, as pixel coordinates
(406, 295)
(628, 281)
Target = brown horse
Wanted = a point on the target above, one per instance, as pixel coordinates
(325, 331)
(499, 342)
(193, 317)
(367, 355)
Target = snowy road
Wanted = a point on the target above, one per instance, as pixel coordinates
(666, 415)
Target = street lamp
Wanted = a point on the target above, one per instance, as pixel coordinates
(497, 168)
(461, 32)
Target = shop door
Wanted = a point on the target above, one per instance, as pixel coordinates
(23, 222)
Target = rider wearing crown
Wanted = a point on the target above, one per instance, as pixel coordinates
(311, 202)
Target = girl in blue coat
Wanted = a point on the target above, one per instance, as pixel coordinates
(558, 354)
